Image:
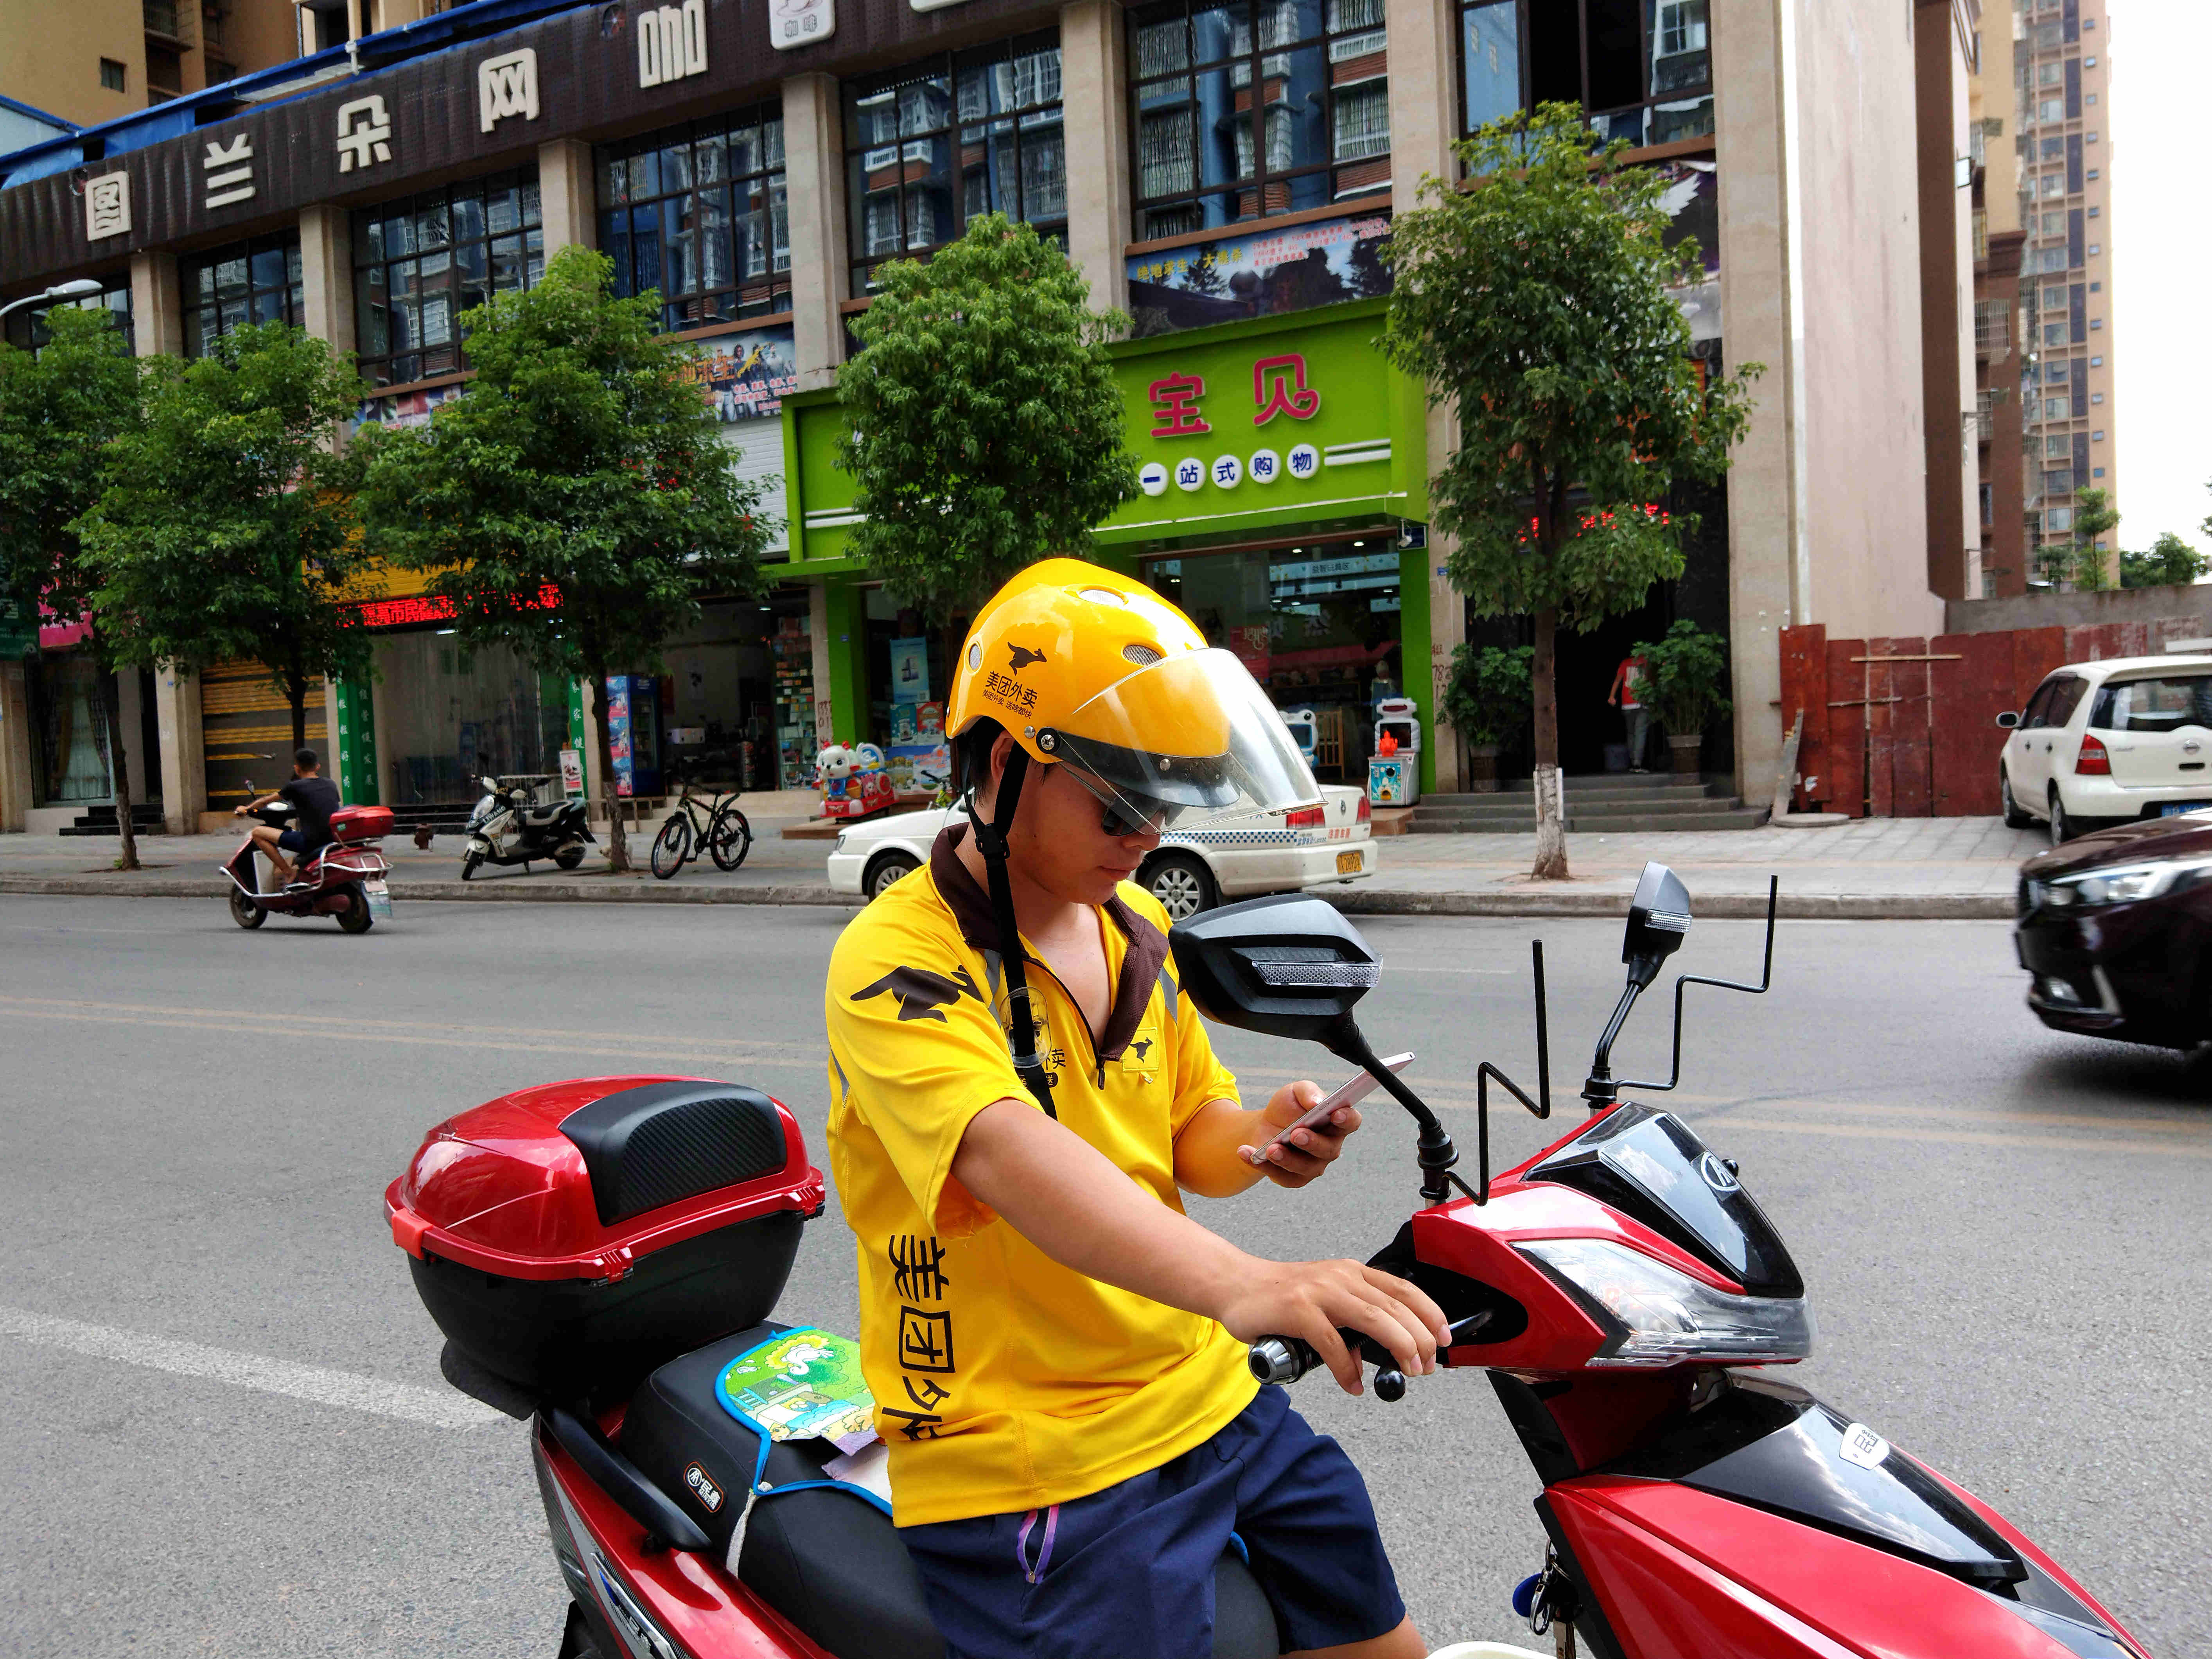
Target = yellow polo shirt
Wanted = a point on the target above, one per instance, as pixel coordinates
(1004, 1381)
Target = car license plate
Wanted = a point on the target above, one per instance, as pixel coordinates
(1347, 864)
(2174, 808)
(380, 899)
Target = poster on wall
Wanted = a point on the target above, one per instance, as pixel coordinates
(405, 408)
(909, 671)
(633, 733)
(921, 760)
(1260, 275)
(747, 376)
(1692, 207)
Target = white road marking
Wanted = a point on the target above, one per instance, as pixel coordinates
(438, 1408)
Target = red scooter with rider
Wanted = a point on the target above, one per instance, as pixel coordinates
(325, 859)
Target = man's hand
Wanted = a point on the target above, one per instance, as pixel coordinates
(1310, 1151)
(1310, 1299)
(237, 811)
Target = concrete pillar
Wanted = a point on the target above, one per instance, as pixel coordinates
(157, 308)
(1424, 122)
(567, 198)
(814, 170)
(184, 750)
(1095, 103)
(16, 762)
(1946, 265)
(1423, 100)
(327, 276)
(1770, 561)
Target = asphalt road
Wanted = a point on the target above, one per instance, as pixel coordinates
(2004, 1230)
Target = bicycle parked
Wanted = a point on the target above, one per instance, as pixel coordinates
(715, 824)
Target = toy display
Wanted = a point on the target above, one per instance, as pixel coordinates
(1394, 771)
(854, 784)
(1305, 730)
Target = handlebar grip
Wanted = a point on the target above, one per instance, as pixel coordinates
(1285, 1359)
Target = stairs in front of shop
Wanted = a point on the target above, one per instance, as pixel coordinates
(103, 821)
(1609, 802)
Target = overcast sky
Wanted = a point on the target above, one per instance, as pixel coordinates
(2161, 243)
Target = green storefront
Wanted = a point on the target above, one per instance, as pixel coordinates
(1285, 469)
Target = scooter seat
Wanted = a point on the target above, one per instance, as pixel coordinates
(538, 817)
(829, 1561)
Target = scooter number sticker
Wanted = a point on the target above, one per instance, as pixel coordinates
(1863, 1447)
(380, 900)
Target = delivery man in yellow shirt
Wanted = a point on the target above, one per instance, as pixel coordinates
(1019, 1095)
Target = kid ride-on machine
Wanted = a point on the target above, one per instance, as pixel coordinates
(603, 1256)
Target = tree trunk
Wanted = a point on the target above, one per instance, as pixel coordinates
(118, 763)
(1551, 822)
(617, 847)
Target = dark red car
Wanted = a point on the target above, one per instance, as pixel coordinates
(2114, 927)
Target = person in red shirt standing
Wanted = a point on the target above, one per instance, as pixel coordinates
(1628, 685)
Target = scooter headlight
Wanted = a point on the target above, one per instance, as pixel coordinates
(1654, 1316)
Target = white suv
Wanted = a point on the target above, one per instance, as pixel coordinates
(2103, 743)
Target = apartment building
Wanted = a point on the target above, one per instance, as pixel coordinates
(1223, 171)
(2043, 312)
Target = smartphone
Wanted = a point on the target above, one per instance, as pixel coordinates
(1348, 1094)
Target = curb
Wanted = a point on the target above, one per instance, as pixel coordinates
(1800, 907)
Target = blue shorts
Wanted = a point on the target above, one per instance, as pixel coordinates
(1127, 1573)
(292, 841)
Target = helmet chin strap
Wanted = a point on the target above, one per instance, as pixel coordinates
(991, 842)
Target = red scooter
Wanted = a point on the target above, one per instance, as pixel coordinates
(345, 879)
(603, 1255)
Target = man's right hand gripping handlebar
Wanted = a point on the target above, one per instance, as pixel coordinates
(1337, 1313)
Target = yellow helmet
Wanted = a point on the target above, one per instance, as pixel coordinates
(1087, 668)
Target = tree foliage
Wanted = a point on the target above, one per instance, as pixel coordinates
(986, 427)
(2087, 565)
(577, 502)
(1534, 304)
(2171, 563)
(226, 528)
(60, 409)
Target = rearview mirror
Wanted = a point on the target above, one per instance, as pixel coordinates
(2009, 720)
(1658, 918)
(1286, 966)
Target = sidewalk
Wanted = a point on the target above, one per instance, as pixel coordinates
(1923, 868)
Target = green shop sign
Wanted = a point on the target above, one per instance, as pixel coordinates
(1237, 428)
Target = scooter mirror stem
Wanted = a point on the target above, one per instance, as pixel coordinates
(1348, 1043)
(1599, 1089)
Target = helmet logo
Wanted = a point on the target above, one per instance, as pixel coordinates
(1022, 657)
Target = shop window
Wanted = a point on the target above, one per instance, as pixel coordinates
(421, 261)
(698, 213)
(734, 681)
(228, 287)
(1318, 626)
(1642, 68)
(26, 325)
(1245, 111)
(934, 144)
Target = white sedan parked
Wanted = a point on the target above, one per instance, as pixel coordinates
(1191, 870)
(2102, 743)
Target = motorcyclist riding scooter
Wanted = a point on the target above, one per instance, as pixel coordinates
(313, 797)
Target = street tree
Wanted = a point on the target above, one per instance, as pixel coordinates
(2088, 565)
(986, 428)
(577, 502)
(225, 531)
(60, 408)
(1535, 304)
(2171, 563)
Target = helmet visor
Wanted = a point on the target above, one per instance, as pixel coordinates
(1186, 740)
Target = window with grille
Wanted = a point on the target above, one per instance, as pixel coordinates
(699, 214)
(1256, 108)
(934, 144)
(227, 288)
(421, 261)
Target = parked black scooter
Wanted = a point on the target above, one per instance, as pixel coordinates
(511, 826)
